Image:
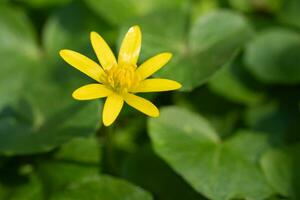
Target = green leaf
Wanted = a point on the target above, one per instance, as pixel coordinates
(279, 118)
(17, 182)
(2, 192)
(289, 13)
(223, 116)
(281, 167)
(80, 156)
(104, 188)
(18, 53)
(47, 116)
(57, 175)
(198, 51)
(262, 5)
(274, 56)
(217, 169)
(144, 168)
(242, 5)
(118, 11)
(200, 8)
(233, 83)
(44, 116)
(69, 28)
(46, 3)
(268, 118)
(84, 150)
(73, 173)
(16, 29)
(31, 190)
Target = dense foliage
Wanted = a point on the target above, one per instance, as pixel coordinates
(231, 132)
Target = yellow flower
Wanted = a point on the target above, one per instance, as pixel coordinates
(120, 80)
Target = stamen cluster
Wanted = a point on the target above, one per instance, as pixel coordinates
(121, 78)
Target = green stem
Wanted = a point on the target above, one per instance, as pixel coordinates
(109, 162)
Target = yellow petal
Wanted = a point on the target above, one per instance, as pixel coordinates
(103, 51)
(91, 91)
(131, 46)
(112, 108)
(83, 64)
(153, 64)
(156, 85)
(141, 104)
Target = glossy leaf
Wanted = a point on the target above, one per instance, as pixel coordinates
(212, 167)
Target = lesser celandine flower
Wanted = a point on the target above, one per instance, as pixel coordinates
(119, 80)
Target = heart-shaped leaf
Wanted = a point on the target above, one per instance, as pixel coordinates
(217, 169)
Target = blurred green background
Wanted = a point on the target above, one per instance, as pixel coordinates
(231, 132)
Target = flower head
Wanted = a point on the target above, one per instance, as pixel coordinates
(119, 80)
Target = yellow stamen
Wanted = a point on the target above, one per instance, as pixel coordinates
(121, 78)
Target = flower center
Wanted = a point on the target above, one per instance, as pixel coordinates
(121, 78)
